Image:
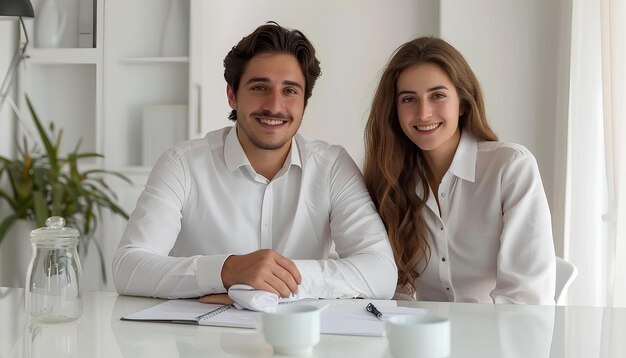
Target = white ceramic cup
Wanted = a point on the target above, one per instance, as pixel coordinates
(418, 336)
(291, 329)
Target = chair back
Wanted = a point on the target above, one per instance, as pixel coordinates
(566, 272)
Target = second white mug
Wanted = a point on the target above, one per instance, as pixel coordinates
(418, 336)
(291, 329)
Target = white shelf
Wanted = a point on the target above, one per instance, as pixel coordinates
(63, 55)
(153, 60)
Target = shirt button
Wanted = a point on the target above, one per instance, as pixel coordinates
(448, 288)
(265, 224)
(443, 195)
(442, 228)
(443, 259)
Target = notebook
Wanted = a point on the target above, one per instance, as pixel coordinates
(342, 317)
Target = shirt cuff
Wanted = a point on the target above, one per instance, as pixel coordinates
(310, 270)
(209, 273)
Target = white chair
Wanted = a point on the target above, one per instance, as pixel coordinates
(565, 274)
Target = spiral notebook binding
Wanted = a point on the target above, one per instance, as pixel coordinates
(214, 313)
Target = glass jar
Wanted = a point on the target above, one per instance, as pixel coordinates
(53, 280)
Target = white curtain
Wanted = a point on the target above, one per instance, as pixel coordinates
(613, 25)
(595, 215)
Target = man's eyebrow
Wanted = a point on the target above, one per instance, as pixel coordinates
(267, 80)
(293, 83)
(258, 79)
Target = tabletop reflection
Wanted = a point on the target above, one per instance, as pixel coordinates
(478, 330)
(51, 340)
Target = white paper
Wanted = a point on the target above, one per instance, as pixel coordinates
(342, 317)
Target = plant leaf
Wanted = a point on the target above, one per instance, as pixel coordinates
(43, 182)
(50, 149)
(103, 171)
(6, 225)
(41, 208)
(87, 155)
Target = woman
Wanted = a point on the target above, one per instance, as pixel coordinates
(466, 215)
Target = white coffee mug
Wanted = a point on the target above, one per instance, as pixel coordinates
(291, 329)
(418, 336)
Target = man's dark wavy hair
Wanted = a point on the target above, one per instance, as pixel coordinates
(272, 38)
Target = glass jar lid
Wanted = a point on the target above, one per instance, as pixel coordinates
(55, 229)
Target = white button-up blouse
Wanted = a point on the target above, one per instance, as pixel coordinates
(493, 239)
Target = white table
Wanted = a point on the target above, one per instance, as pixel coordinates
(478, 330)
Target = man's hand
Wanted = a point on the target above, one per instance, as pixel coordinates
(264, 270)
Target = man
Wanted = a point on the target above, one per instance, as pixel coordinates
(256, 203)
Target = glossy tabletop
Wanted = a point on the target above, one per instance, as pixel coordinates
(478, 330)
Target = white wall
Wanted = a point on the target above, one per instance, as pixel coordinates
(353, 39)
(520, 53)
(518, 49)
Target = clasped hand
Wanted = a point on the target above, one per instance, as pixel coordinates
(264, 270)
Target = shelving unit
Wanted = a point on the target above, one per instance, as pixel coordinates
(100, 95)
(139, 77)
(64, 56)
(66, 87)
(67, 95)
(65, 84)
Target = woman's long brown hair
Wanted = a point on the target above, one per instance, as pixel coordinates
(394, 170)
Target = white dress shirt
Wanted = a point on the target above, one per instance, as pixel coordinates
(492, 241)
(203, 202)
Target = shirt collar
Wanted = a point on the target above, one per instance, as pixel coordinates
(464, 161)
(294, 154)
(235, 157)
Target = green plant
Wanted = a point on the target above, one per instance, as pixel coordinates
(44, 184)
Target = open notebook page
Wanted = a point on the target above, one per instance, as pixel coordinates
(343, 317)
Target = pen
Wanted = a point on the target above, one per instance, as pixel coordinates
(371, 308)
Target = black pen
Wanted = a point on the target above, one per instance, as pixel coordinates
(371, 308)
